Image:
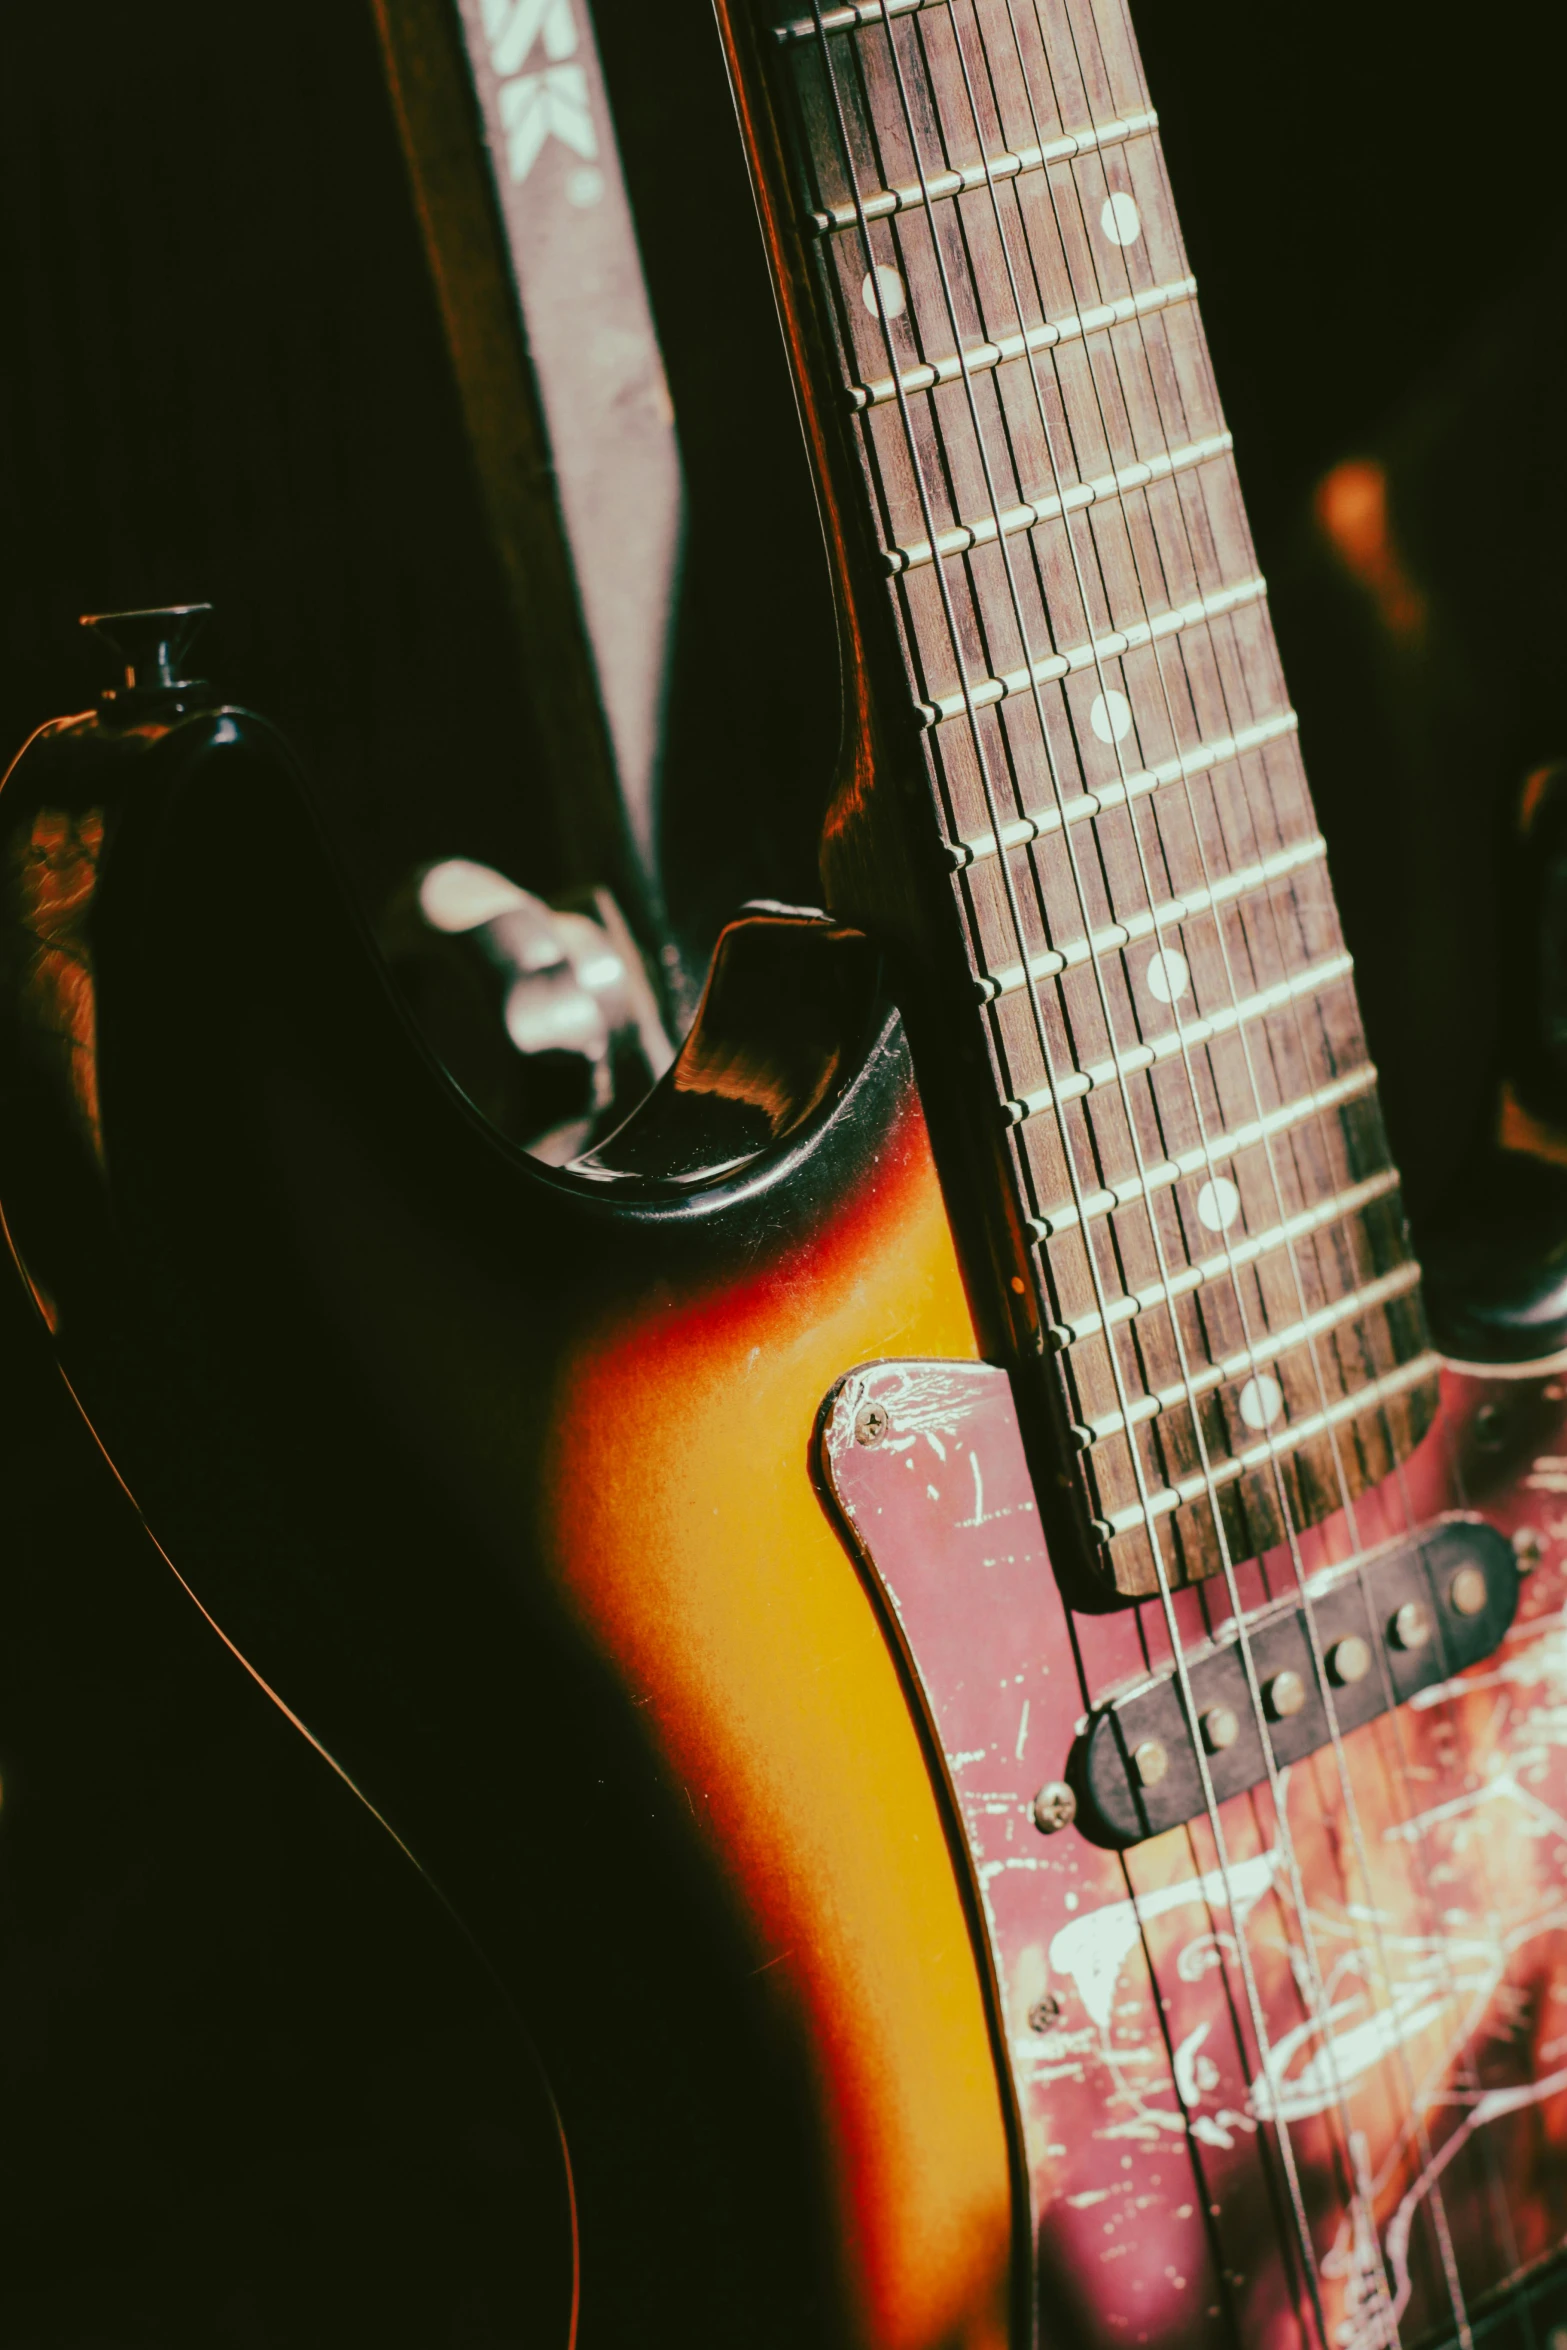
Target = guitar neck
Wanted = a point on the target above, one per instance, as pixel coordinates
(1072, 798)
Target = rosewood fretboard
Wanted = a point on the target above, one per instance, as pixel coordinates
(1152, 1023)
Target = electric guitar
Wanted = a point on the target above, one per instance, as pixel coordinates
(930, 1604)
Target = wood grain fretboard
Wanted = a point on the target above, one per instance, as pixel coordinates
(1057, 633)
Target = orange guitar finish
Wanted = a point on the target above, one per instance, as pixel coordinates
(683, 1528)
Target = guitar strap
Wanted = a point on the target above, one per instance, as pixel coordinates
(507, 129)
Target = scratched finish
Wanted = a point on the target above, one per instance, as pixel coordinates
(1367, 1983)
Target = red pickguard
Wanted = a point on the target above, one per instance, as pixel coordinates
(1407, 1939)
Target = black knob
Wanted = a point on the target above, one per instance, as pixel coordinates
(149, 648)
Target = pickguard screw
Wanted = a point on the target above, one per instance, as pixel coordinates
(870, 1424)
(1055, 1807)
(1411, 1626)
(1285, 1694)
(1045, 2013)
(1467, 1591)
(1349, 1659)
(1528, 1550)
(1220, 1729)
(1150, 1762)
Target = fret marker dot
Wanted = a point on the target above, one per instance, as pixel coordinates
(1218, 1204)
(1262, 1400)
(1121, 220)
(1167, 976)
(1111, 716)
(883, 294)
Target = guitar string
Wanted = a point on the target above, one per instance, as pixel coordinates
(1401, 1780)
(1318, 1994)
(880, 310)
(1283, 1499)
(1398, 1784)
(988, 788)
(974, 114)
(1298, 1888)
(1265, 1733)
(1414, 2104)
(1317, 2001)
(1352, 1798)
(1207, 2206)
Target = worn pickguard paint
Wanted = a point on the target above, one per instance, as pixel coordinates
(1403, 1908)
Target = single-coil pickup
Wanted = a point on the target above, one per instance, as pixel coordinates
(1362, 1639)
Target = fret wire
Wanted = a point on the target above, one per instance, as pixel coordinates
(1374, 1396)
(1200, 761)
(1227, 1020)
(850, 19)
(992, 171)
(1163, 1177)
(1242, 880)
(1076, 326)
(1348, 1308)
(1249, 1251)
(1032, 511)
(986, 692)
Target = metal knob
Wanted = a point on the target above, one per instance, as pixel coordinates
(149, 647)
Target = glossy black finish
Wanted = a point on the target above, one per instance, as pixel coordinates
(1496, 1266)
(777, 1038)
(148, 649)
(1534, 976)
(1496, 1258)
(219, 1137)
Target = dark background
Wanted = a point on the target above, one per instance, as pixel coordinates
(221, 376)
